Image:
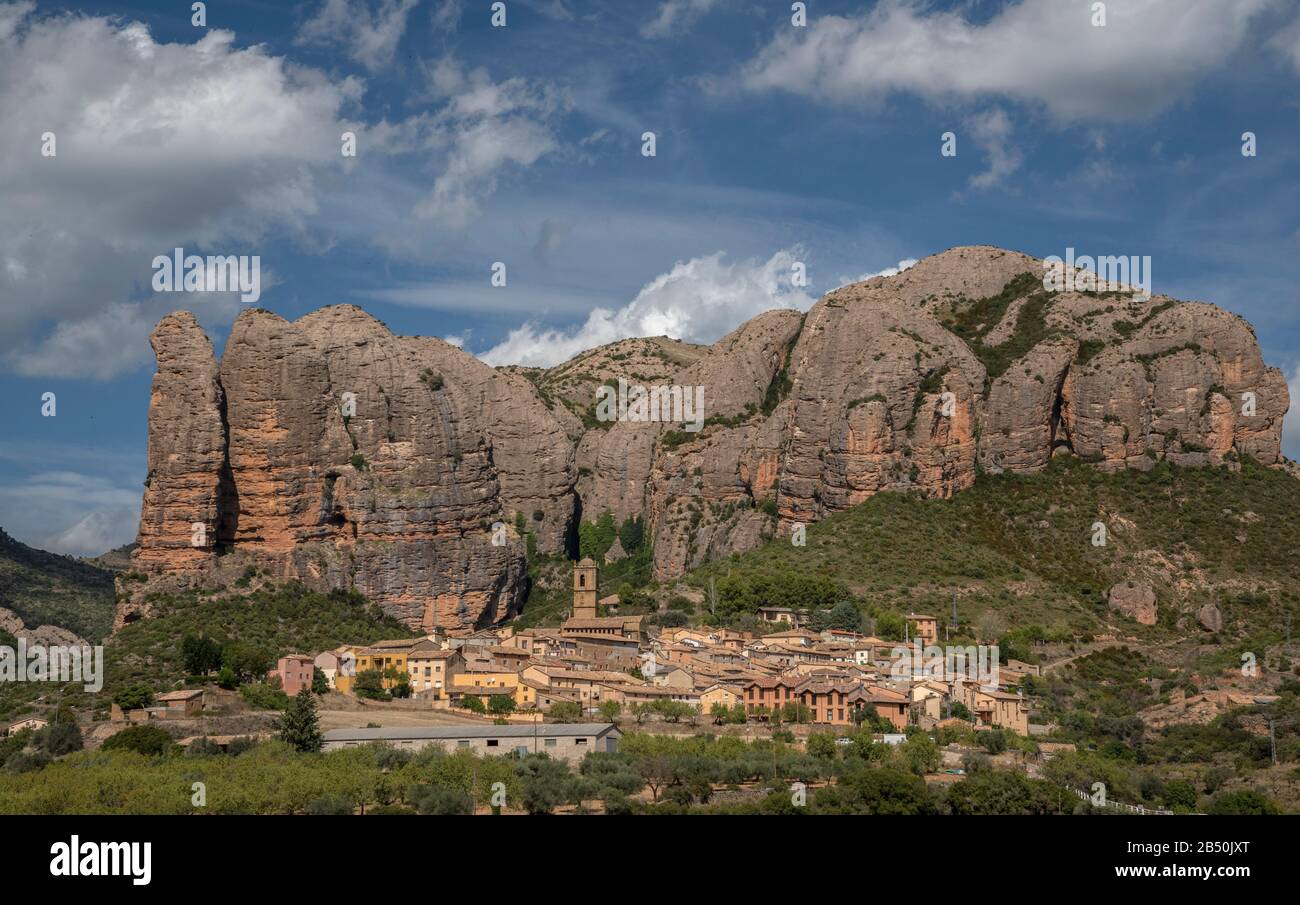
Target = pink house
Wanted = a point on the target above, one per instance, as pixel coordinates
(295, 672)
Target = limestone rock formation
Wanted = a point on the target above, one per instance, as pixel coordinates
(914, 382)
(1210, 618)
(1135, 600)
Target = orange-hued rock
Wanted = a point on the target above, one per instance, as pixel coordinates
(899, 383)
(186, 457)
(346, 465)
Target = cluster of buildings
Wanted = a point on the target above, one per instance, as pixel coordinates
(591, 659)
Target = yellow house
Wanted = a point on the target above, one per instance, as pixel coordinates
(483, 678)
(382, 655)
(432, 670)
(345, 674)
(726, 695)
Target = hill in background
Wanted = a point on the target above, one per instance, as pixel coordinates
(48, 589)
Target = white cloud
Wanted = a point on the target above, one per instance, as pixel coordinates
(96, 514)
(96, 533)
(370, 37)
(1046, 52)
(991, 131)
(203, 145)
(887, 272)
(675, 16)
(699, 300)
(1291, 423)
(1287, 42)
(446, 17)
(481, 128)
(114, 339)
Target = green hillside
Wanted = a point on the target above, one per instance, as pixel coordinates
(48, 589)
(1022, 547)
(271, 621)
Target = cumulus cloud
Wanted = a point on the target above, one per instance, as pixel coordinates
(96, 533)
(887, 272)
(203, 145)
(98, 514)
(675, 16)
(1044, 52)
(369, 34)
(699, 300)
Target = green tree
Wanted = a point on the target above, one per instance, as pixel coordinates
(473, 703)
(247, 662)
(200, 654)
(920, 754)
(610, 710)
(1180, 795)
(133, 697)
(547, 783)
(845, 616)
(595, 538)
(632, 534)
(883, 791)
(501, 704)
(822, 744)
(1006, 792)
(58, 739)
(1243, 802)
(300, 725)
(369, 683)
(320, 683)
(564, 712)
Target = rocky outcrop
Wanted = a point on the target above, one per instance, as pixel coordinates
(915, 382)
(1134, 600)
(42, 635)
(1210, 618)
(345, 461)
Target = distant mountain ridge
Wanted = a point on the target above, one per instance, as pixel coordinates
(331, 451)
(46, 589)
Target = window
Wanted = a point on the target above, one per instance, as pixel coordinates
(492, 743)
(580, 741)
(462, 743)
(550, 743)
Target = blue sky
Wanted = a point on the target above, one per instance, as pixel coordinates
(522, 144)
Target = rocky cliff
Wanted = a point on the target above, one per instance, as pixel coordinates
(911, 382)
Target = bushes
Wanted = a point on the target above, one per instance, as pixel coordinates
(264, 696)
(1243, 802)
(58, 739)
(147, 740)
(440, 802)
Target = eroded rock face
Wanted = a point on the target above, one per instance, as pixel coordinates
(912, 382)
(339, 459)
(1135, 600)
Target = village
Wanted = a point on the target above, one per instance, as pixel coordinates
(598, 668)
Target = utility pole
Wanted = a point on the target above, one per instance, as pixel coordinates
(1272, 739)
